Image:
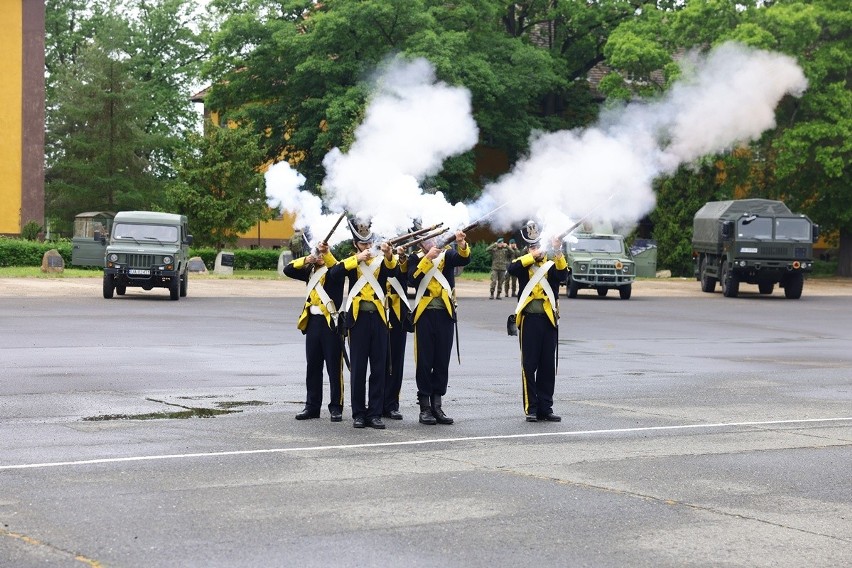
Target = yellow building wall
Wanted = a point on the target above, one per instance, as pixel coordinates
(11, 109)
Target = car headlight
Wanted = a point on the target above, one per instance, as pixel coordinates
(113, 257)
(167, 260)
(584, 267)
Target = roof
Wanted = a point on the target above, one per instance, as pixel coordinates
(149, 217)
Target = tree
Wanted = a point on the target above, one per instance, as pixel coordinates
(96, 153)
(298, 72)
(219, 186)
(117, 101)
(804, 161)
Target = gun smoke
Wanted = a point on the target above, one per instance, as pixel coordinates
(604, 172)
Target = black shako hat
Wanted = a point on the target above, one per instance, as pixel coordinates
(360, 230)
(531, 233)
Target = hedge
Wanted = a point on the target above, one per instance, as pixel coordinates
(18, 252)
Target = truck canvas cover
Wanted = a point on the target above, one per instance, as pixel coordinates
(706, 222)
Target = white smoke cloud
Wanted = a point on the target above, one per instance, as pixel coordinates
(283, 185)
(412, 124)
(605, 172)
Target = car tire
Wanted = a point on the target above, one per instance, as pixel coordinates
(184, 284)
(793, 285)
(174, 288)
(625, 291)
(109, 285)
(573, 288)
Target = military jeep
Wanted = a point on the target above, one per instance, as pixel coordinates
(147, 250)
(599, 261)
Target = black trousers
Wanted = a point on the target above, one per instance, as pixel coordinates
(322, 347)
(368, 345)
(433, 345)
(538, 339)
(396, 362)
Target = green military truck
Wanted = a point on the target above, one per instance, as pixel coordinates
(753, 241)
(147, 250)
(599, 261)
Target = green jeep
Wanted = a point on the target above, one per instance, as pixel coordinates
(599, 261)
(147, 250)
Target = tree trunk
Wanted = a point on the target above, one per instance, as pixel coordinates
(844, 255)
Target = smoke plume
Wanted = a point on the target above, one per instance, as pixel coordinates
(605, 172)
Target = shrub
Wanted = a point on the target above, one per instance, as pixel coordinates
(18, 252)
(30, 231)
(480, 259)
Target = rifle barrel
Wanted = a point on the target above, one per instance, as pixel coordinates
(424, 238)
(418, 232)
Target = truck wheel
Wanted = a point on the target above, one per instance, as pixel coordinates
(793, 285)
(625, 291)
(184, 284)
(602, 292)
(730, 282)
(573, 287)
(174, 288)
(766, 287)
(120, 289)
(708, 283)
(109, 285)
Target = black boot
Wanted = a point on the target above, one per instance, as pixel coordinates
(426, 416)
(440, 417)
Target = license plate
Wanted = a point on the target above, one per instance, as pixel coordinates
(139, 272)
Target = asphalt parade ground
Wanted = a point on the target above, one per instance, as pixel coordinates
(697, 430)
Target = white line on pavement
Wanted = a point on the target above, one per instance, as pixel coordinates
(429, 441)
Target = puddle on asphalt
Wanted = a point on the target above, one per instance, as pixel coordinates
(185, 412)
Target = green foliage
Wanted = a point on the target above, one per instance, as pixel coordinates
(480, 259)
(244, 259)
(118, 76)
(220, 188)
(30, 231)
(19, 252)
(679, 197)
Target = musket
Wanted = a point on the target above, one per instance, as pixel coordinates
(402, 238)
(472, 225)
(334, 228)
(424, 238)
(327, 237)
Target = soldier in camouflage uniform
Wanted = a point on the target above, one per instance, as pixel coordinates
(500, 257)
(511, 280)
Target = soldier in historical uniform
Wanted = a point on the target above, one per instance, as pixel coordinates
(512, 281)
(500, 257)
(399, 311)
(432, 273)
(537, 318)
(318, 322)
(366, 320)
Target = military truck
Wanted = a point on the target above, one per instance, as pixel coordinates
(147, 250)
(754, 241)
(599, 261)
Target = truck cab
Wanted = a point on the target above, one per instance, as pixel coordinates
(148, 250)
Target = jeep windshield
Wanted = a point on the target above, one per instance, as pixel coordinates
(597, 245)
(141, 232)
